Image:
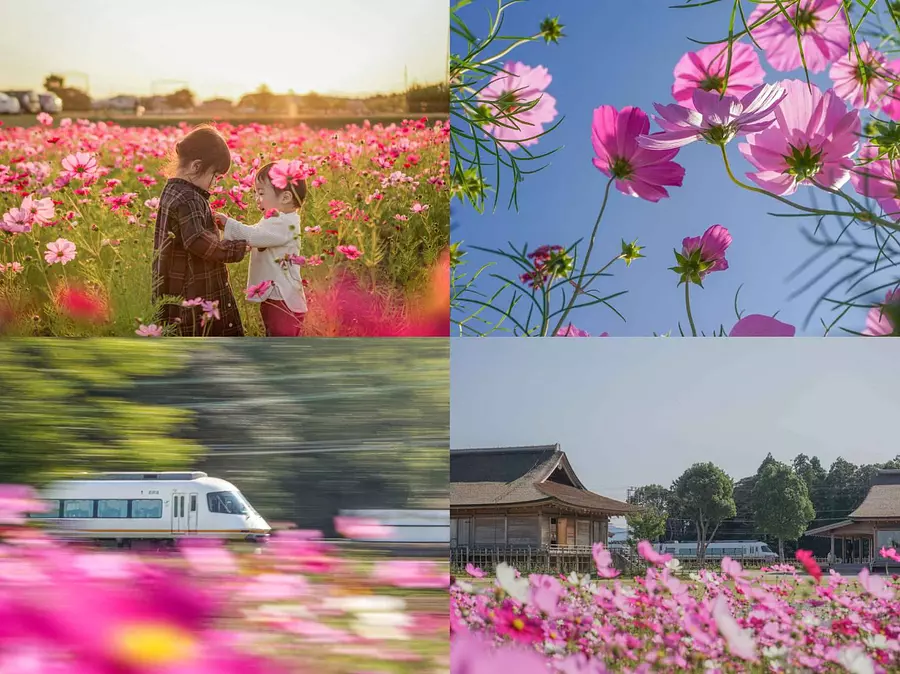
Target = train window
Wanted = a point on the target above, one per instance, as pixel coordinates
(52, 510)
(80, 508)
(225, 502)
(146, 508)
(112, 507)
(766, 549)
(193, 503)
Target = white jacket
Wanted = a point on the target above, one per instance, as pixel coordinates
(280, 236)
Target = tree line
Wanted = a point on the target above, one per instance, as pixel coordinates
(778, 503)
(302, 429)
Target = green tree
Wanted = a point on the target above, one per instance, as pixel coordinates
(704, 494)
(650, 523)
(183, 99)
(63, 409)
(781, 503)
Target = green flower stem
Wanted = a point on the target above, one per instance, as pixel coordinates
(517, 43)
(687, 306)
(866, 216)
(584, 264)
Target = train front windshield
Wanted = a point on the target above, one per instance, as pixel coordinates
(766, 550)
(229, 503)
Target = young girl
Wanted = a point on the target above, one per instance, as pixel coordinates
(189, 258)
(274, 277)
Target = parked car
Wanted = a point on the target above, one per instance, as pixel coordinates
(51, 103)
(29, 100)
(9, 105)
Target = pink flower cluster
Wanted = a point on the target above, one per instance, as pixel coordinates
(663, 622)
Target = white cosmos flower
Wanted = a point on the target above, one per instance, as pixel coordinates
(673, 564)
(513, 586)
(855, 661)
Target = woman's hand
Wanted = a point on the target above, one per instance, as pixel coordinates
(220, 219)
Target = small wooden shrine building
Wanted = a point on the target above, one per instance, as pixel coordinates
(873, 525)
(526, 506)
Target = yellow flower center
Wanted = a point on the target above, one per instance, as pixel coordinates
(518, 624)
(153, 644)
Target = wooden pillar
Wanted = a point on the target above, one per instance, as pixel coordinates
(505, 530)
(832, 548)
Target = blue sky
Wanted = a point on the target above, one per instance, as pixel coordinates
(630, 412)
(624, 55)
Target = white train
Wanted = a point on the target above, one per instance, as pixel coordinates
(734, 549)
(142, 506)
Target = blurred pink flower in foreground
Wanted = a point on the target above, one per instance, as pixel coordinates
(362, 528)
(848, 82)
(61, 251)
(471, 654)
(824, 34)
(646, 551)
(712, 246)
(638, 172)
(878, 323)
(715, 119)
(16, 501)
(410, 573)
(705, 69)
(756, 325)
(293, 171)
(517, 86)
(812, 140)
(877, 179)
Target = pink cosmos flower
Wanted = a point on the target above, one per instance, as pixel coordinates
(808, 560)
(571, 331)
(16, 501)
(646, 551)
(259, 290)
(362, 529)
(418, 208)
(196, 302)
(61, 251)
(41, 210)
(350, 252)
(518, 627)
(715, 119)
(152, 204)
(705, 69)
(878, 323)
(471, 654)
(210, 312)
(474, 571)
(505, 95)
(638, 172)
(756, 325)
(284, 172)
(739, 641)
(603, 560)
(44, 119)
(848, 83)
(824, 35)
(79, 165)
(878, 179)
(151, 330)
(410, 573)
(712, 246)
(875, 585)
(889, 553)
(812, 140)
(17, 221)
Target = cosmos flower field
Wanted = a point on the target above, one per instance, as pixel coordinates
(78, 203)
(792, 618)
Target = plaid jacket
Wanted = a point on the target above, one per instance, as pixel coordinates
(189, 262)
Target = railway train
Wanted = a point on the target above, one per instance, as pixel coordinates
(124, 507)
(748, 550)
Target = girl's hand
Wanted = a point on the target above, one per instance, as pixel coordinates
(220, 219)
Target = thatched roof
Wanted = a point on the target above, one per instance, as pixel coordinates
(883, 499)
(521, 475)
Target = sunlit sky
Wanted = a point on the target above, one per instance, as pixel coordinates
(224, 47)
(631, 412)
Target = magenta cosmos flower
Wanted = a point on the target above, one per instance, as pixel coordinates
(812, 140)
(715, 119)
(505, 95)
(638, 172)
(705, 70)
(79, 165)
(712, 245)
(757, 325)
(848, 81)
(878, 324)
(61, 251)
(878, 179)
(824, 35)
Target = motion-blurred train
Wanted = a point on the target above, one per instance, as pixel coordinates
(125, 507)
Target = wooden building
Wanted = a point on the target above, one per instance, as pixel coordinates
(873, 525)
(524, 505)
